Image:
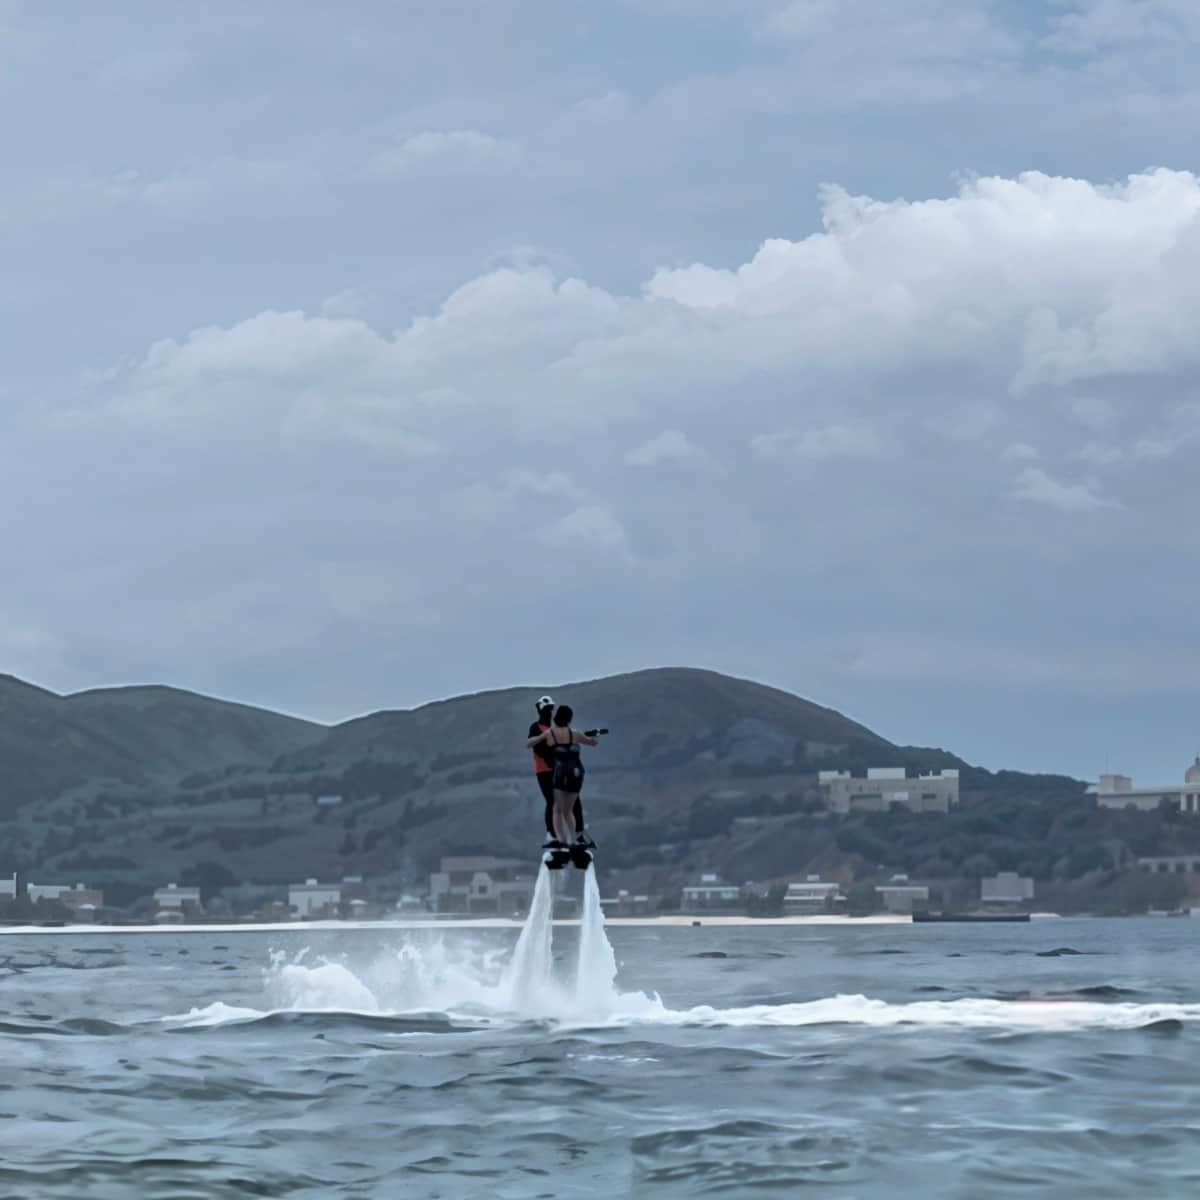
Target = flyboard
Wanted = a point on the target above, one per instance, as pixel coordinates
(579, 853)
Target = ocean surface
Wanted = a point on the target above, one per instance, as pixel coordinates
(1055, 1059)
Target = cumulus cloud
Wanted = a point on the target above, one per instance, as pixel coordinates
(1036, 485)
(591, 531)
(1086, 27)
(450, 149)
(1011, 287)
(892, 379)
(816, 445)
(669, 447)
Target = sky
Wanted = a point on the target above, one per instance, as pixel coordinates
(357, 356)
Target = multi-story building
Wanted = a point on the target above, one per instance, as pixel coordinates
(900, 896)
(1170, 864)
(174, 903)
(1117, 791)
(626, 904)
(480, 883)
(710, 893)
(312, 899)
(814, 895)
(75, 898)
(1006, 887)
(883, 787)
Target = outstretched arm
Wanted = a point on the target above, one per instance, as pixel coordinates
(585, 738)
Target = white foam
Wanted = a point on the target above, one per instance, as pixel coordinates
(966, 1014)
(218, 1013)
(461, 978)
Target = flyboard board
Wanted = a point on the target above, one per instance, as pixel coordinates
(579, 855)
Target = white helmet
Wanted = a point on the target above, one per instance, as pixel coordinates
(545, 702)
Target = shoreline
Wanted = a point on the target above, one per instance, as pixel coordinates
(672, 921)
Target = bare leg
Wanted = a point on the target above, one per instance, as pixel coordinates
(564, 818)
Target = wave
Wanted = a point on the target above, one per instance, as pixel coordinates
(446, 986)
(1034, 1015)
(317, 996)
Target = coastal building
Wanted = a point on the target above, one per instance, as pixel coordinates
(481, 883)
(175, 903)
(626, 904)
(1006, 887)
(312, 899)
(8, 887)
(884, 787)
(46, 891)
(814, 895)
(1170, 864)
(709, 894)
(900, 896)
(1117, 791)
(76, 898)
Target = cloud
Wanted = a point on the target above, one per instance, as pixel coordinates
(1088, 27)
(921, 30)
(532, 437)
(817, 445)
(670, 446)
(591, 531)
(1037, 486)
(442, 150)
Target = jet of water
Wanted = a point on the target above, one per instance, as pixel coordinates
(528, 974)
(596, 968)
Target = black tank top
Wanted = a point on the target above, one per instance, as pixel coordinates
(568, 764)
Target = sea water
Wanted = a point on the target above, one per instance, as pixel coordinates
(1049, 1059)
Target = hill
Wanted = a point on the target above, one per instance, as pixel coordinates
(135, 784)
(134, 787)
(126, 737)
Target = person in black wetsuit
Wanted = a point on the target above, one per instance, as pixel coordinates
(543, 767)
(562, 743)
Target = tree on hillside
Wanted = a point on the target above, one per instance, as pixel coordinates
(209, 877)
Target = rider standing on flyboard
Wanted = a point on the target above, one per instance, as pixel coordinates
(563, 742)
(543, 766)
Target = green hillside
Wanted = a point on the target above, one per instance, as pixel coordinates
(134, 787)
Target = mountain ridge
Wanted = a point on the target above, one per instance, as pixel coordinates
(134, 787)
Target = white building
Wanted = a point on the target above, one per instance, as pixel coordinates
(1007, 887)
(711, 892)
(814, 895)
(178, 900)
(1170, 864)
(936, 791)
(76, 898)
(481, 883)
(313, 899)
(1117, 791)
(46, 891)
(625, 904)
(8, 888)
(900, 896)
